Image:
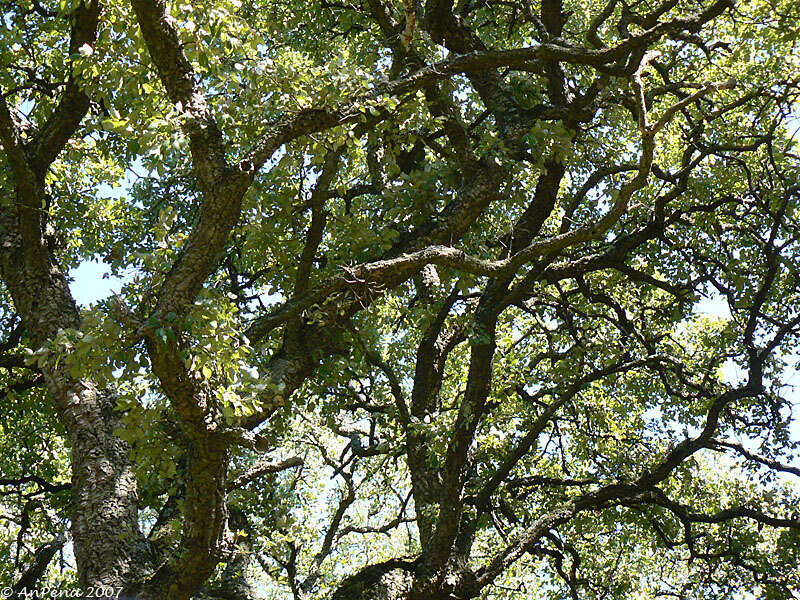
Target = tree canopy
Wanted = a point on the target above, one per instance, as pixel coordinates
(420, 300)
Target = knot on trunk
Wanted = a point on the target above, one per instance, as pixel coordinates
(454, 581)
(390, 580)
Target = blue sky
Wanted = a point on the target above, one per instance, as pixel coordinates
(93, 282)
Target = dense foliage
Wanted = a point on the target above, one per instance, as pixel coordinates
(419, 300)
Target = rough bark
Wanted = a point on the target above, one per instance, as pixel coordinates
(109, 549)
(104, 493)
(386, 581)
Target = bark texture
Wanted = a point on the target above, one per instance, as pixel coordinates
(386, 581)
(104, 492)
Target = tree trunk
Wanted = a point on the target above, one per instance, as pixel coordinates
(107, 543)
(398, 579)
(391, 580)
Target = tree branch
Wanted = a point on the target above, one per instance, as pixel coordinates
(263, 468)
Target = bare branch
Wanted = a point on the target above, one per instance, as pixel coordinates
(263, 468)
(764, 460)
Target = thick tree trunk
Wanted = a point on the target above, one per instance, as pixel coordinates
(399, 579)
(204, 520)
(107, 543)
(391, 580)
(208, 454)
